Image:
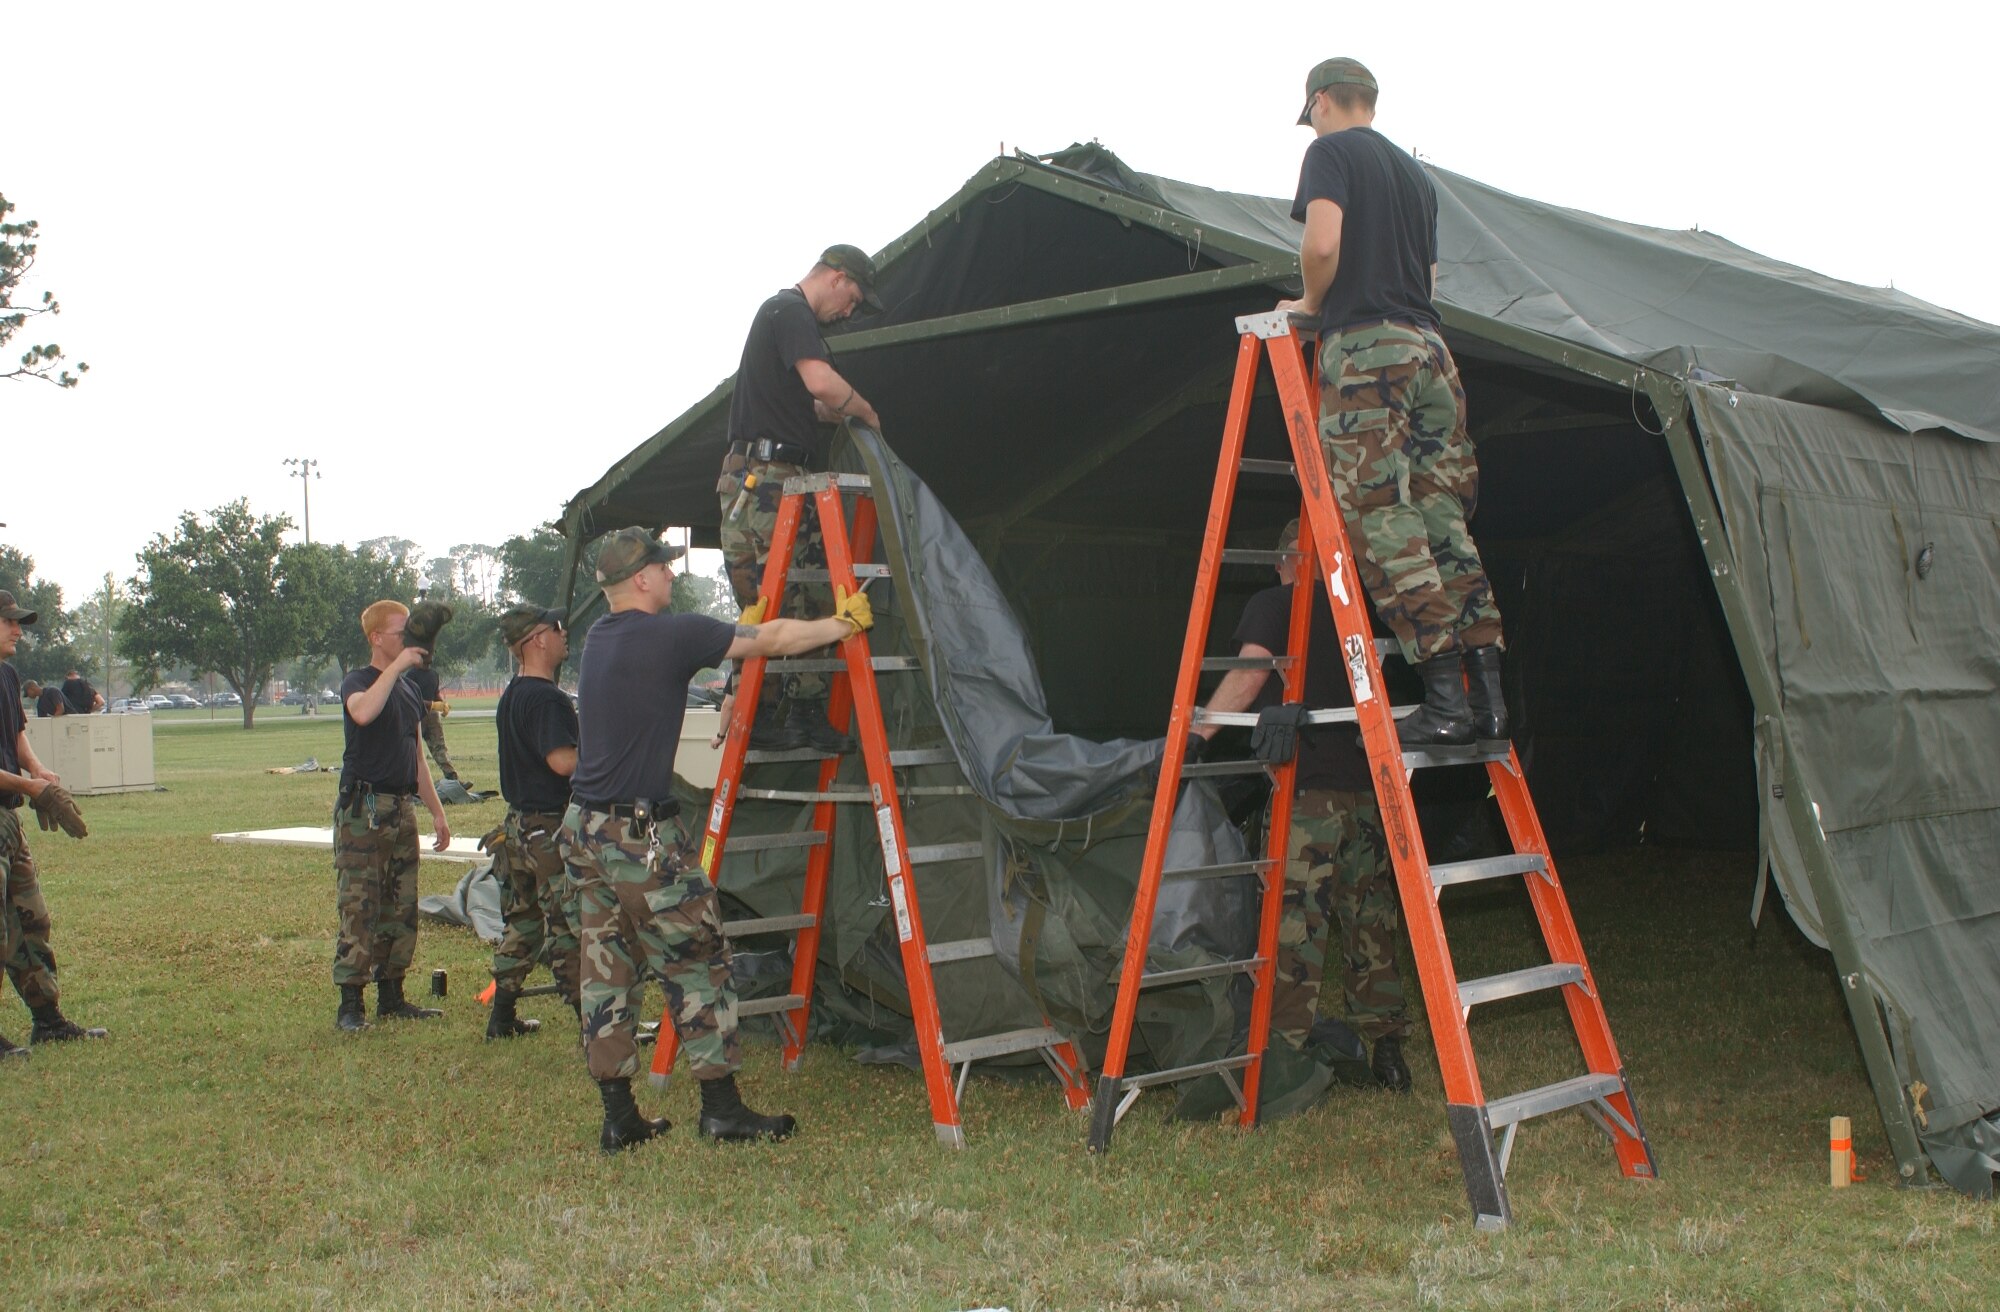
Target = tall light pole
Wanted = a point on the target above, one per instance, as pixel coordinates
(305, 471)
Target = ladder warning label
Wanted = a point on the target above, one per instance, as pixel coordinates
(900, 900)
(892, 856)
(708, 855)
(1357, 668)
(715, 811)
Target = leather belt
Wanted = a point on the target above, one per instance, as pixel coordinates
(663, 809)
(784, 453)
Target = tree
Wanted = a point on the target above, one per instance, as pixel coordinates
(347, 582)
(531, 566)
(17, 258)
(48, 649)
(94, 627)
(405, 553)
(225, 594)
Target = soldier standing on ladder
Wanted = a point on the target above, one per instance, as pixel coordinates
(1392, 412)
(785, 389)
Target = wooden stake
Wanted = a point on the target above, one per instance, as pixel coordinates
(1840, 1151)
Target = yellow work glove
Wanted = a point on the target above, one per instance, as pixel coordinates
(442, 708)
(753, 614)
(854, 608)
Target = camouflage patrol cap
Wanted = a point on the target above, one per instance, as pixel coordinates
(13, 610)
(630, 550)
(1334, 73)
(521, 620)
(426, 619)
(851, 261)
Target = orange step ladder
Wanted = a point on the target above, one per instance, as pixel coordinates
(1325, 555)
(946, 1065)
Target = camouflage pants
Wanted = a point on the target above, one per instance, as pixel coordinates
(24, 918)
(533, 888)
(641, 906)
(746, 545)
(1392, 425)
(375, 890)
(1338, 873)
(434, 739)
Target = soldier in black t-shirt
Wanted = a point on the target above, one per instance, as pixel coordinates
(83, 699)
(49, 701)
(785, 389)
(1392, 412)
(640, 902)
(375, 825)
(24, 916)
(1337, 872)
(538, 736)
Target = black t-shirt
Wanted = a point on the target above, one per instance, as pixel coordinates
(383, 752)
(534, 718)
(1388, 228)
(425, 681)
(13, 720)
(80, 696)
(631, 699)
(771, 400)
(1330, 755)
(51, 703)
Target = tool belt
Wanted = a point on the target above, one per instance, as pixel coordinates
(366, 798)
(644, 813)
(783, 453)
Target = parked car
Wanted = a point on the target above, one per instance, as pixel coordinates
(130, 706)
(182, 702)
(158, 702)
(225, 699)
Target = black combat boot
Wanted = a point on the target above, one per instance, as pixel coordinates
(9, 1050)
(353, 1014)
(1390, 1071)
(623, 1126)
(1443, 724)
(724, 1117)
(808, 720)
(1485, 698)
(773, 733)
(391, 1005)
(51, 1026)
(503, 1023)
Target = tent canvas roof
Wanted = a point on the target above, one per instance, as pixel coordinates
(1822, 459)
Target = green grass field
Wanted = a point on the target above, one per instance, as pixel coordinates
(227, 1149)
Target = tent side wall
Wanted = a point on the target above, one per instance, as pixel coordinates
(1868, 557)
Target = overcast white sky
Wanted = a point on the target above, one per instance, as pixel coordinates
(466, 256)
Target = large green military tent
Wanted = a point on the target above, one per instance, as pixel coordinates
(1744, 521)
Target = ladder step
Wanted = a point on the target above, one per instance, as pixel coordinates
(1000, 1045)
(1153, 979)
(861, 571)
(1328, 715)
(936, 852)
(809, 483)
(1254, 556)
(1202, 769)
(1516, 1107)
(834, 665)
(1425, 760)
(1514, 983)
(1218, 872)
(901, 757)
(1172, 1074)
(1282, 468)
(765, 1006)
(802, 795)
(765, 842)
(1210, 664)
(1491, 867)
(965, 949)
(766, 925)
